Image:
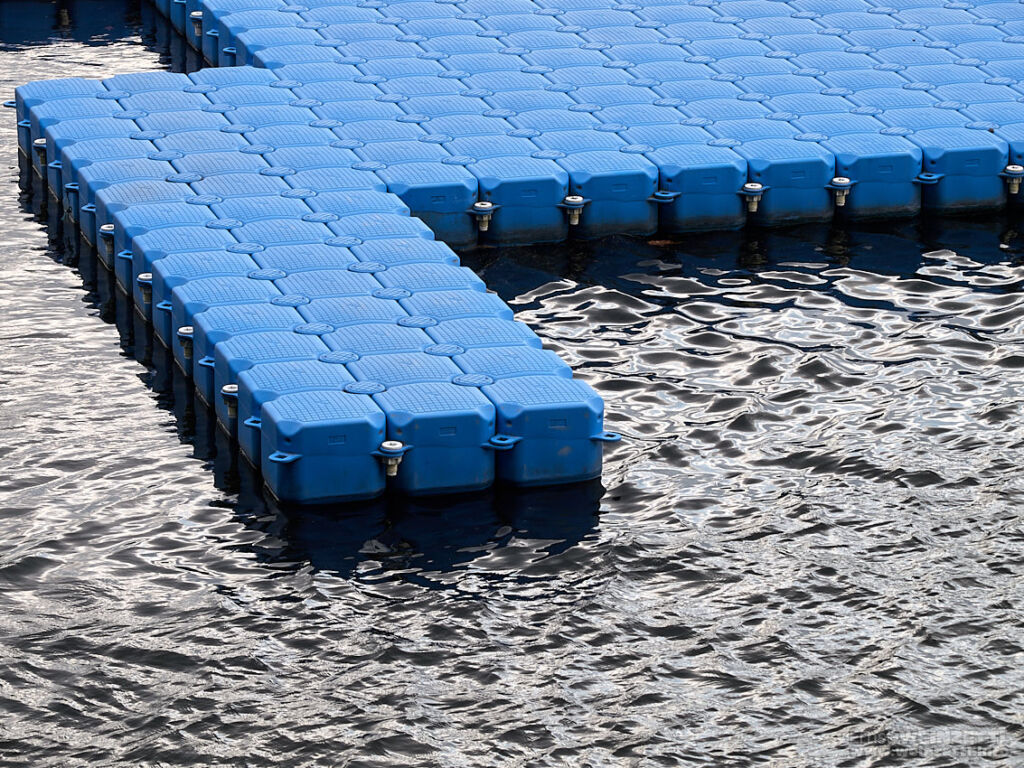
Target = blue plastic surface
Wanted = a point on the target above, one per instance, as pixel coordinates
(294, 205)
(222, 321)
(449, 428)
(268, 381)
(318, 446)
(241, 352)
(196, 296)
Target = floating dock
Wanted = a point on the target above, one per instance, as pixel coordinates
(286, 218)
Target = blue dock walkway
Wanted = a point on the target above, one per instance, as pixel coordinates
(274, 216)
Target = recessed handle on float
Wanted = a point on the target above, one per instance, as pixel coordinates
(280, 457)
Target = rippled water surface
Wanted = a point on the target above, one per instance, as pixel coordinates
(807, 551)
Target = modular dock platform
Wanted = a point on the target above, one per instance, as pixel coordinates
(274, 216)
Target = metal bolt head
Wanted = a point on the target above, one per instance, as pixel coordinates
(144, 276)
(483, 205)
(1015, 169)
(39, 143)
(574, 199)
(753, 186)
(391, 445)
(186, 330)
(840, 181)
(196, 15)
(229, 389)
(107, 229)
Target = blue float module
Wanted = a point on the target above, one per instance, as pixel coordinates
(512, 122)
(276, 221)
(336, 339)
(698, 114)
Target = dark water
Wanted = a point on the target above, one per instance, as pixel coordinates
(808, 552)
